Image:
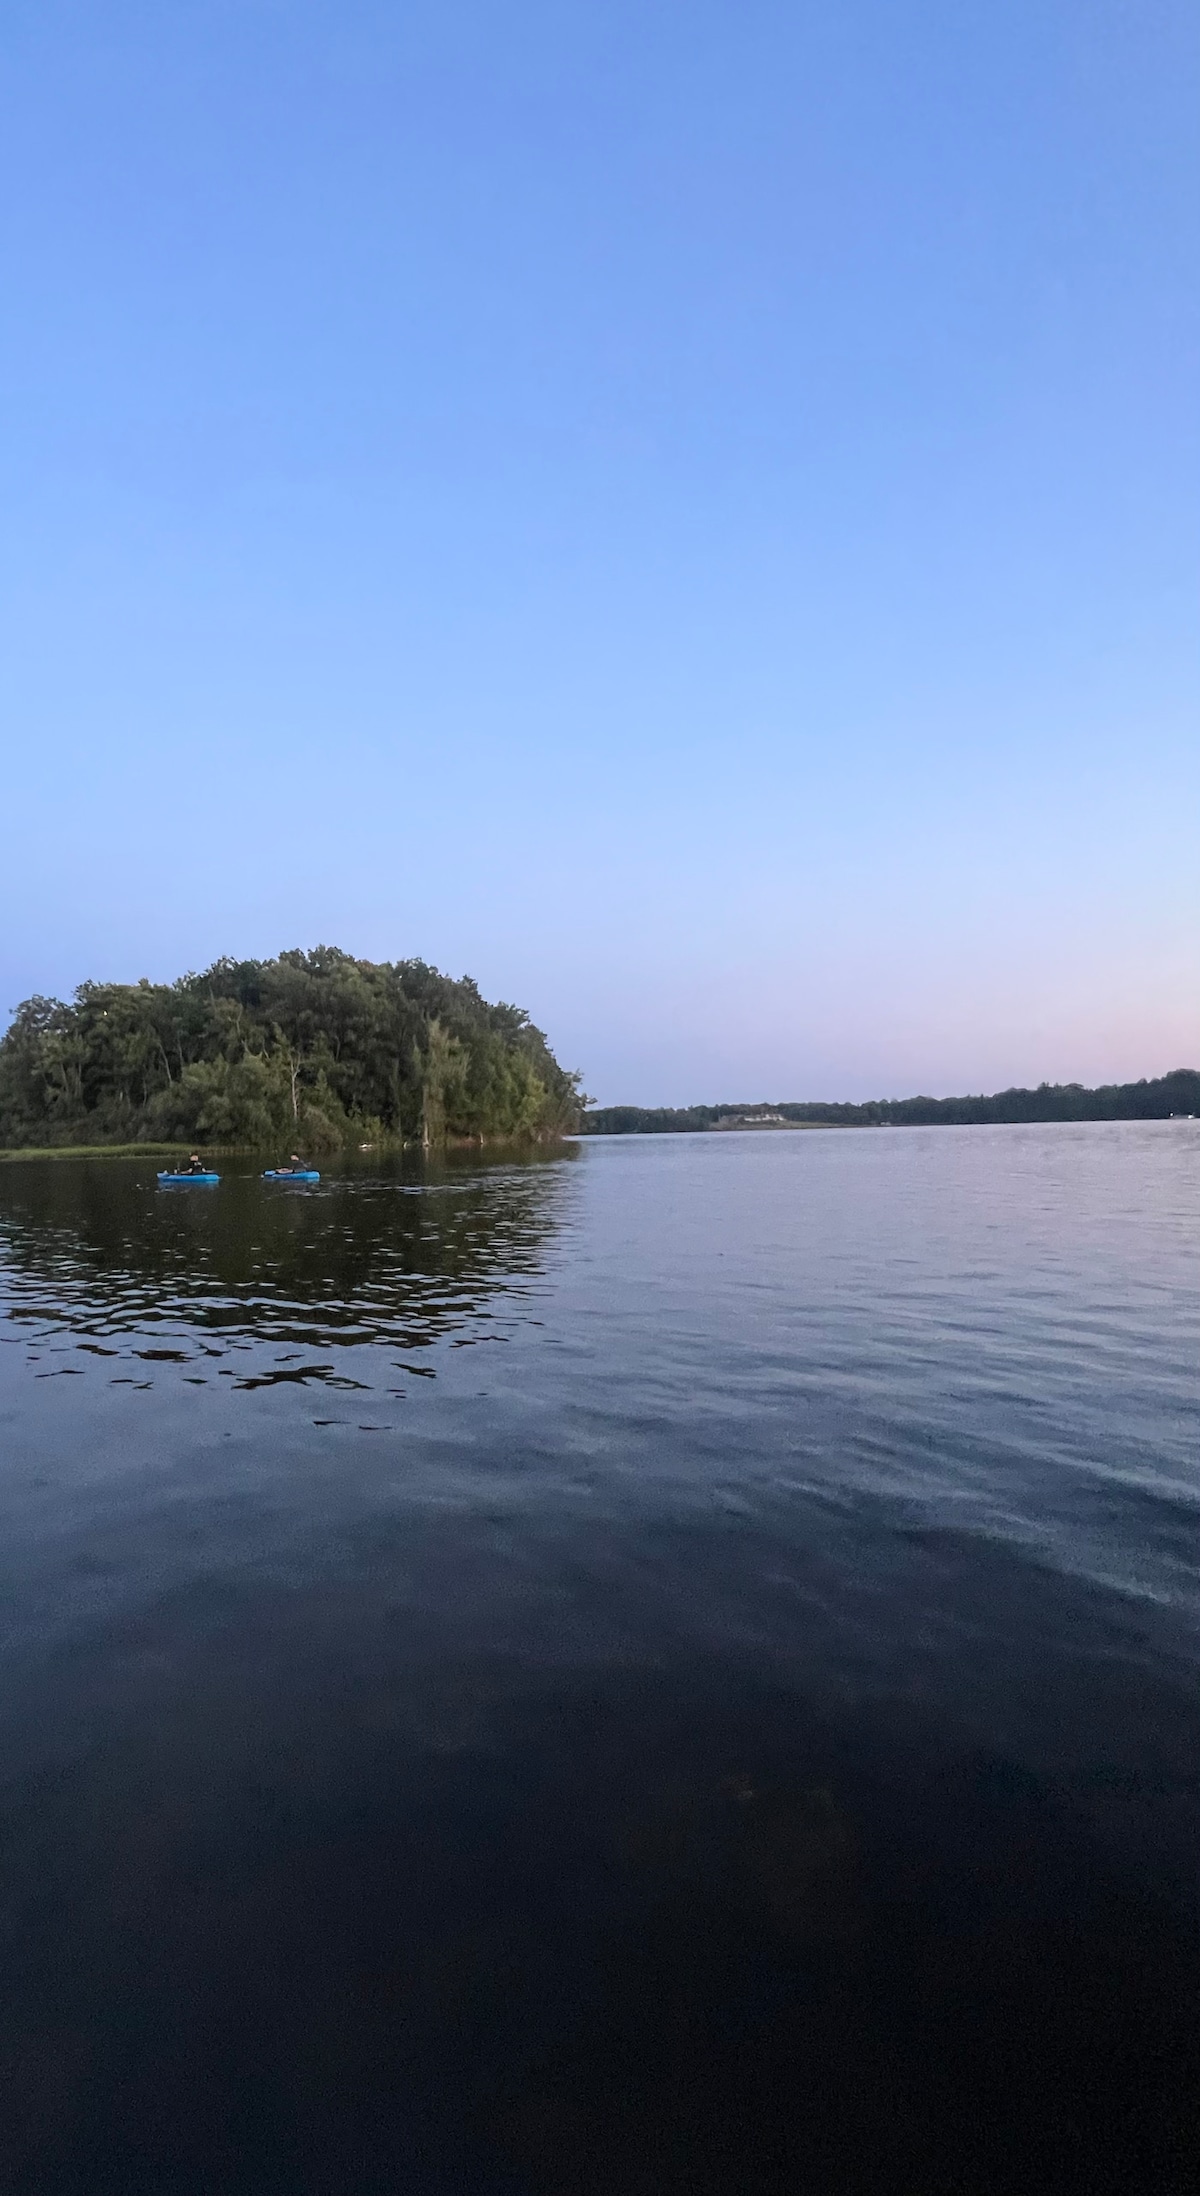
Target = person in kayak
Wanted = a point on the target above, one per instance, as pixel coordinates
(196, 1165)
(295, 1165)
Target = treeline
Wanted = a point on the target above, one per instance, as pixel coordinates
(1155, 1100)
(312, 1049)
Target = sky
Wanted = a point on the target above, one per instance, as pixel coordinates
(688, 513)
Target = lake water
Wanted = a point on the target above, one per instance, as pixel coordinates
(659, 1670)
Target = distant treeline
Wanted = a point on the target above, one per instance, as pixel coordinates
(313, 1049)
(1155, 1100)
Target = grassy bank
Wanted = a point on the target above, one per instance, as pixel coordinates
(382, 1146)
(115, 1151)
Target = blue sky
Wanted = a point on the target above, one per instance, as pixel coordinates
(688, 513)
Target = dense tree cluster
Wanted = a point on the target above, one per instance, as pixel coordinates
(311, 1048)
(1156, 1100)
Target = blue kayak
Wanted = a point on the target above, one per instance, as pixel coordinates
(290, 1174)
(171, 1179)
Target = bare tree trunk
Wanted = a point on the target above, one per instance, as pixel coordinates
(433, 1096)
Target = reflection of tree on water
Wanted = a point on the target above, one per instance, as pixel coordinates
(400, 1258)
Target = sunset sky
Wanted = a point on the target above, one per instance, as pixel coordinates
(689, 514)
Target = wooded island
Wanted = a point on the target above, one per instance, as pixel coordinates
(316, 1049)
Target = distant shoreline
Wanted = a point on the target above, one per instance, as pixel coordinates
(1162, 1098)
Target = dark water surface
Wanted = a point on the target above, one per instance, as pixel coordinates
(670, 1667)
